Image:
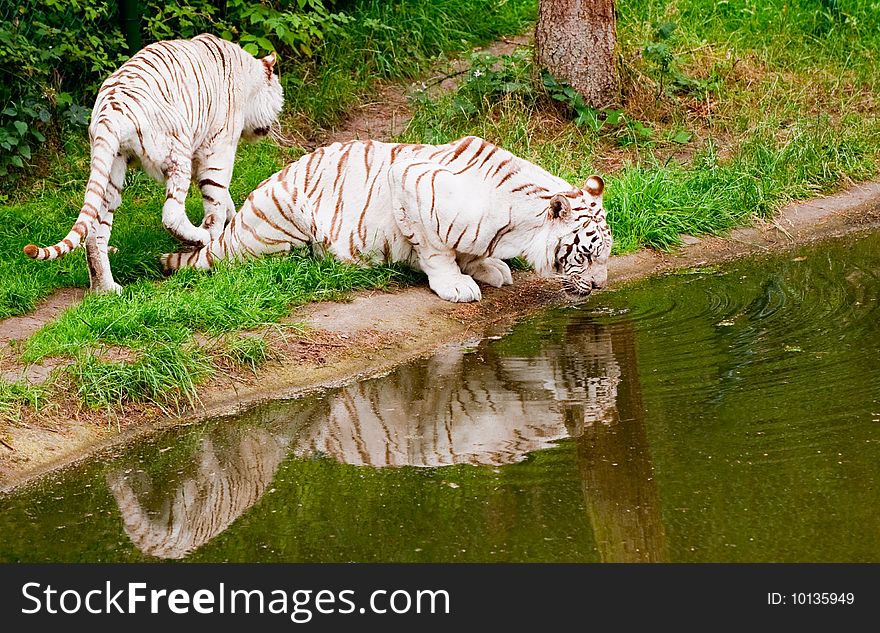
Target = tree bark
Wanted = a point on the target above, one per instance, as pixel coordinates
(574, 41)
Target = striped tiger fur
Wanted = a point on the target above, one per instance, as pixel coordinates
(179, 108)
(455, 211)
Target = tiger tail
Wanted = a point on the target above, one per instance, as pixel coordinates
(104, 150)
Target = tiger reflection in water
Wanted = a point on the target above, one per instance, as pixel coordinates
(475, 408)
(458, 407)
(229, 475)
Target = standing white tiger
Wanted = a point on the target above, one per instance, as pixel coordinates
(180, 108)
(455, 211)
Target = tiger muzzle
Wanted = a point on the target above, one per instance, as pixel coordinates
(585, 284)
(583, 289)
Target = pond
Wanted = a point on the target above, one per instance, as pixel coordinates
(720, 414)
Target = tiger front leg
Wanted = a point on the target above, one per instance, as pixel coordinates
(490, 270)
(414, 203)
(445, 278)
(436, 259)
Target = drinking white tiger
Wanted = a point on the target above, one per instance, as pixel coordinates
(455, 211)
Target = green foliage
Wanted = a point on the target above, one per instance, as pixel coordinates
(20, 132)
(298, 26)
(487, 78)
(652, 204)
(798, 34)
(667, 66)
(626, 130)
(292, 26)
(51, 52)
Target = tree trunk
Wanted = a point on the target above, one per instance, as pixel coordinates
(574, 40)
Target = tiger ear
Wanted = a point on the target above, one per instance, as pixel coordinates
(269, 62)
(560, 207)
(595, 186)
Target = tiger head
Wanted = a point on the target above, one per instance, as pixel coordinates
(582, 239)
(265, 99)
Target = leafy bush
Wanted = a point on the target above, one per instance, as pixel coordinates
(52, 52)
(490, 79)
(295, 26)
(626, 130)
(487, 78)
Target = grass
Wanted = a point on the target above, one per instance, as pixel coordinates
(16, 396)
(727, 111)
(162, 373)
(228, 299)
(158, 323)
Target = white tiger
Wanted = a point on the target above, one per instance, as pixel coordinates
(454, 211)
(179, 107)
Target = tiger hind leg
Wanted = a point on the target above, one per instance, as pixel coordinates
(177, 172)
(96, 243)
(213, 176)
(200, 259)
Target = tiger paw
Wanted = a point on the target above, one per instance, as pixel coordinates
(491, 271)
(459, 288)
(196, 237)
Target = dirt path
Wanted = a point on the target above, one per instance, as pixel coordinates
(20, 327)
(386, 116)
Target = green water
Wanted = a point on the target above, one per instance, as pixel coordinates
(721, 415)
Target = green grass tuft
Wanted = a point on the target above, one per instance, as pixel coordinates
(245, 351)
(15, 396)
(164, 373)
(159, 321)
